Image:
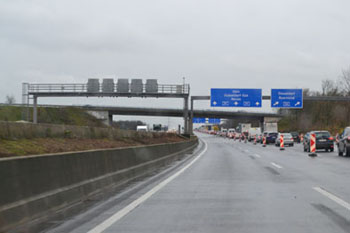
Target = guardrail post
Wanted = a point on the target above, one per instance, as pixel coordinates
(35, 109)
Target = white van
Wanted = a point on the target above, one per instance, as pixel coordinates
(252, 132)
(141, 128)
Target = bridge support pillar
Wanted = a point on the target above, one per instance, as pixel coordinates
(261, 124)
(191, 118)
(110, 119)
(35, 109)
(186, 126)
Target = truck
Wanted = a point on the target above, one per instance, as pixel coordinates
(243, 127)
(270, 127)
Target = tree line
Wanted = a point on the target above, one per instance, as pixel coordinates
(321, 115)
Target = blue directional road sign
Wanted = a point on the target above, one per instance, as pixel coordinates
(287, 98)
(197, 120)
(221, 97)
(214, 121)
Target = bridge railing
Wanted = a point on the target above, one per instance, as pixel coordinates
(81, 88)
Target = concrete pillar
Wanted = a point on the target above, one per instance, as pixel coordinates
(35, 109)
(186, 128)
(191, 118)
(261, 124)
(110, 119)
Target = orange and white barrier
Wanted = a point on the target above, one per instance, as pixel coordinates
(281, 142)
(264, 141)
(313, 145)
(255, 140)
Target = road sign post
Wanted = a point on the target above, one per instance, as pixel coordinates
(222, 97)
(287, 98)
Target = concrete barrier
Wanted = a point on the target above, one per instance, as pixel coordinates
(34, 186)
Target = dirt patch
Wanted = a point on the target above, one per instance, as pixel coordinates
(34, 146)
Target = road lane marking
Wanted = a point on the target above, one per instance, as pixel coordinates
(247, 151)
(334, 198)
(276, 165)
(120, 214)
(258, 156)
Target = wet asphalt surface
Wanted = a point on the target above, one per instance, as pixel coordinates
(236, 187)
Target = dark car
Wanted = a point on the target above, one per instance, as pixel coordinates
(324, 141)
(295, 136)
(344, 143)
(271, 137)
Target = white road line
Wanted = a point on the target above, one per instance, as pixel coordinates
(258, 156)
(333, 197)
(276, 165)
(247, 151)
(120, 214)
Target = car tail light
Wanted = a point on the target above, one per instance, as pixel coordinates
(292, 139)
(348, 138)
(331, 138)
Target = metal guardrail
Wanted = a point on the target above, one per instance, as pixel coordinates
(83, 88)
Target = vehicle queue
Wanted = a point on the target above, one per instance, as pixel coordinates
(323, 139)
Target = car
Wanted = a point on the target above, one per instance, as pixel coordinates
(324, 141)
(305, 139)
(271, 137)
(295, 136)
(223, 133)
(344, 143)
(287, 138)
(231, 133)
(259, 138)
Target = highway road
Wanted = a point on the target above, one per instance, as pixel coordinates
(231, 187)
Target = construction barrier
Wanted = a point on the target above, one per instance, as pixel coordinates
(281, 142)
(313, 145)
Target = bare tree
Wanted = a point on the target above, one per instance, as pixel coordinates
(330, 88)
(345, 81)
(10, 99)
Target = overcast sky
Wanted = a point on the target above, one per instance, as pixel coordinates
(231, 43)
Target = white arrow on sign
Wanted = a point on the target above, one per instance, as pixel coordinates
(276, 103)
(236, 103)
(298, 103)
(215, 103)
(257, 103)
